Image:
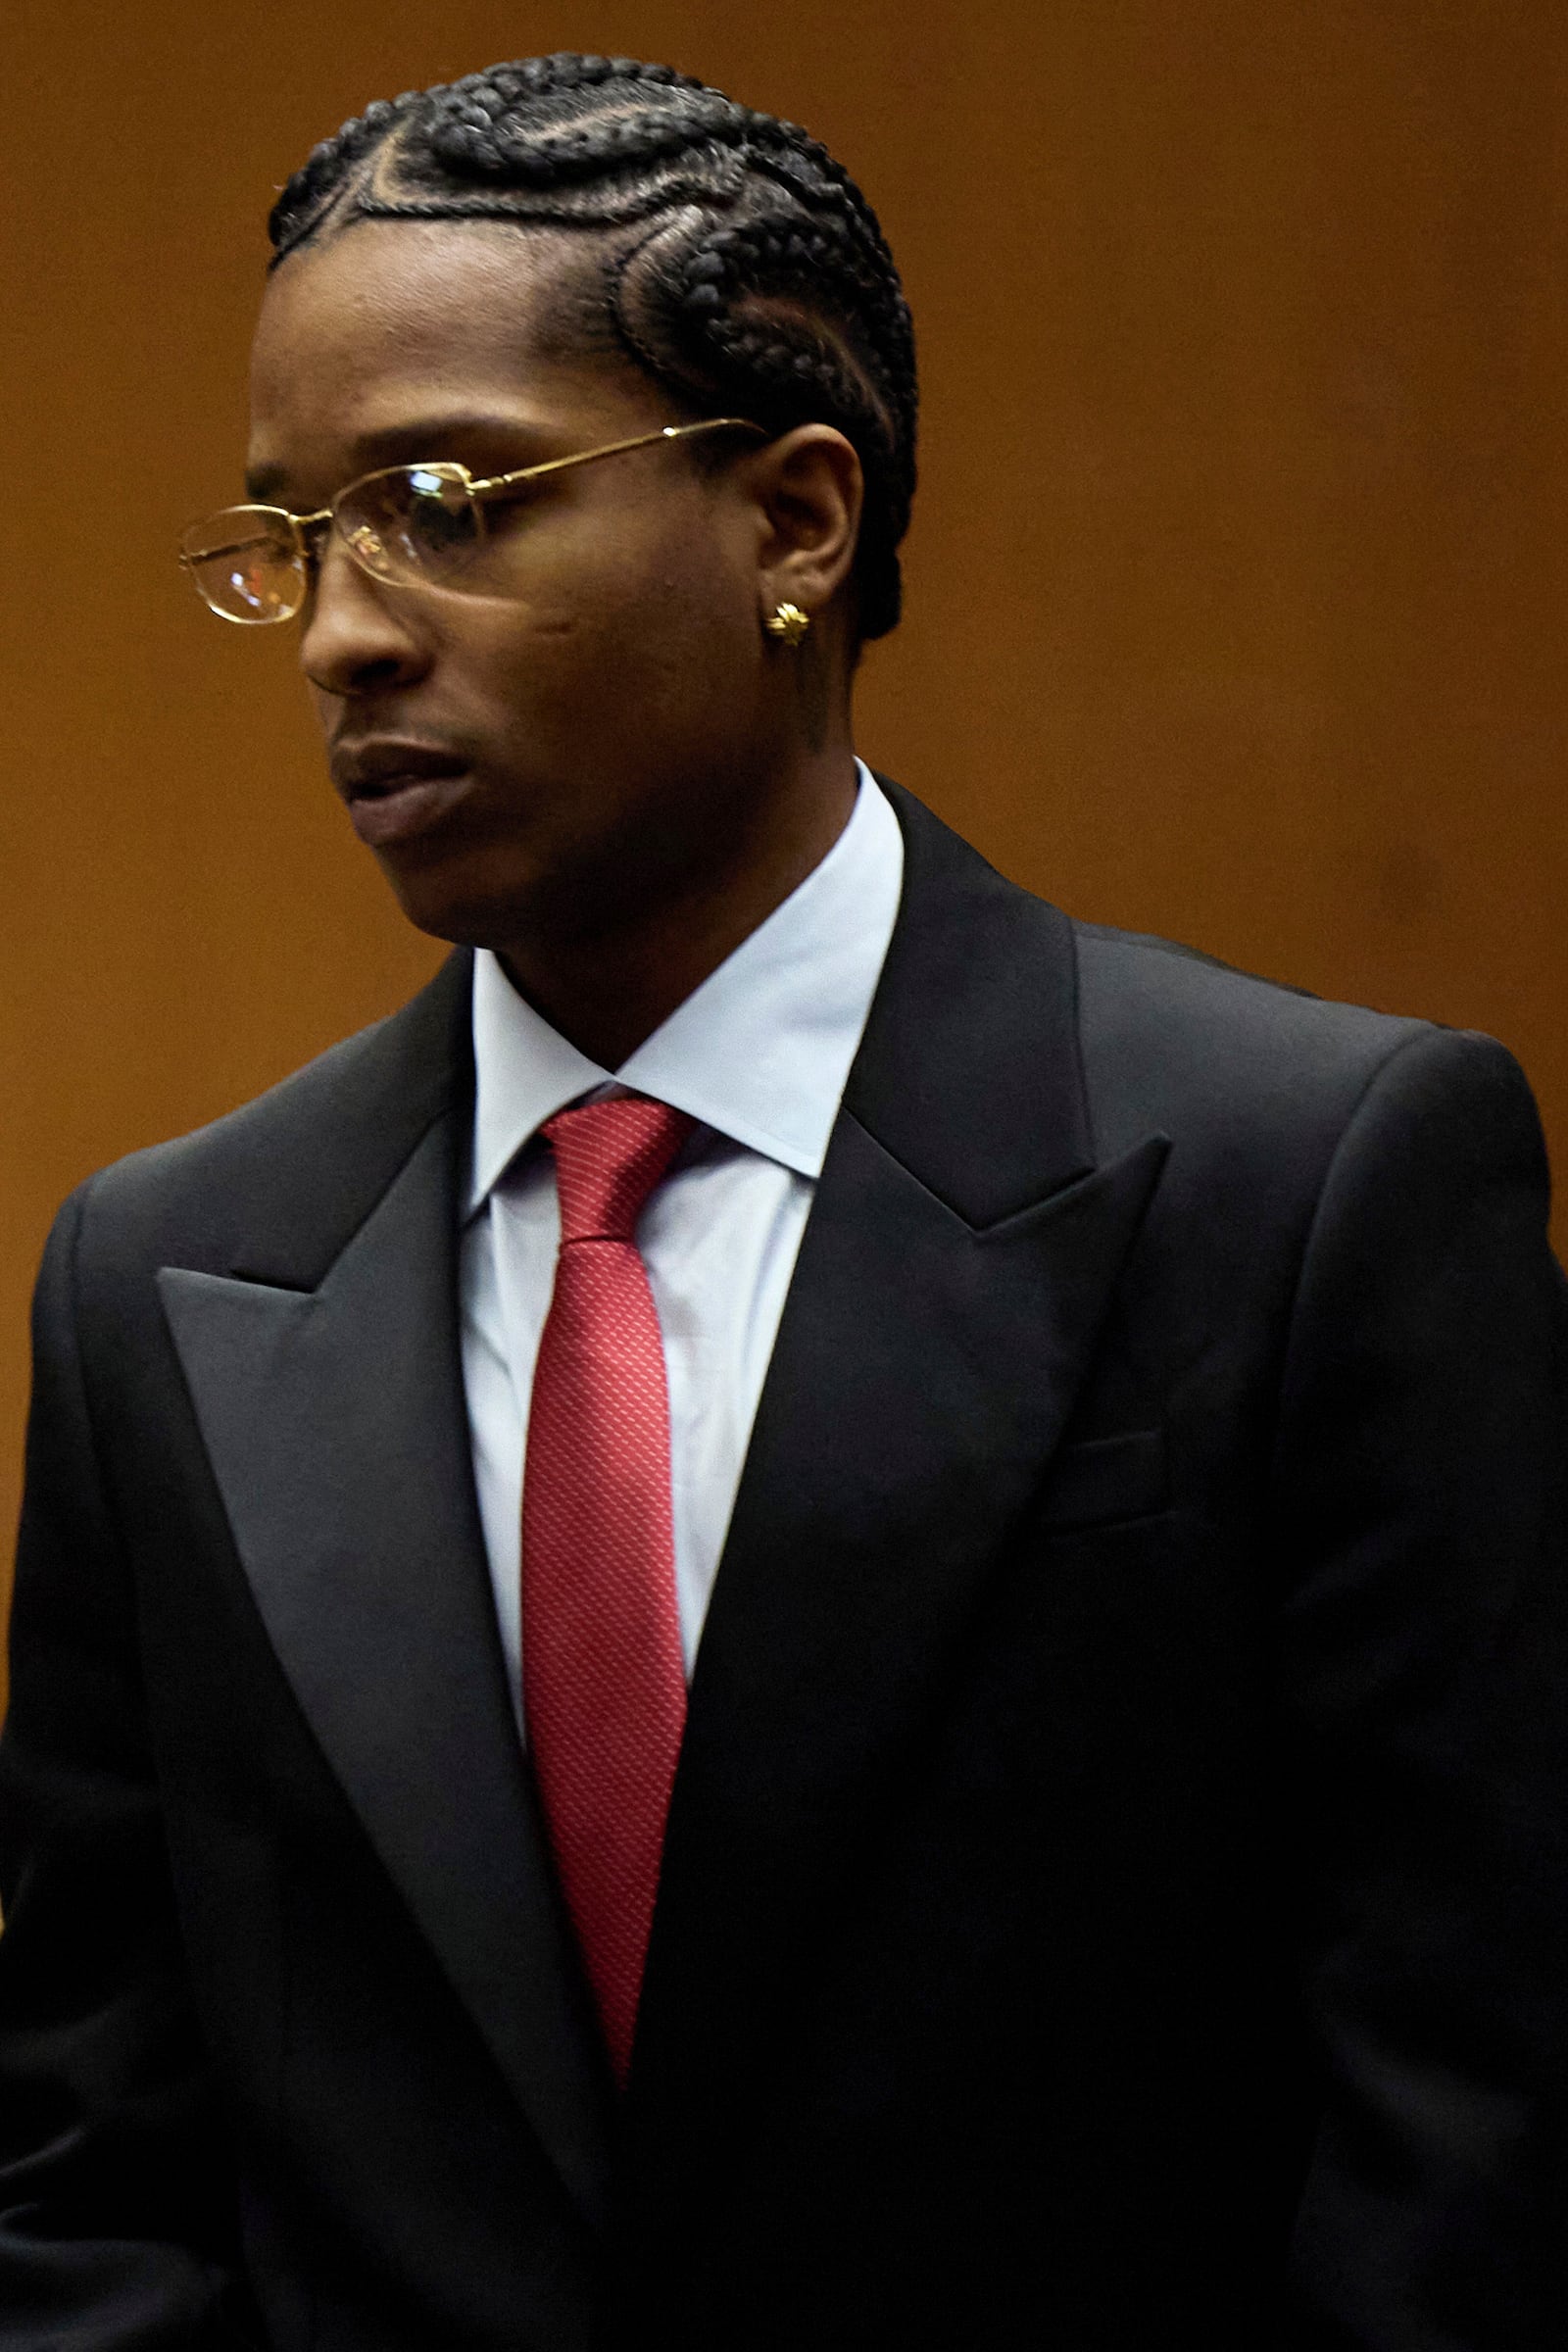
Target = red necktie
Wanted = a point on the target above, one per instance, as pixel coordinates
(604, 1687)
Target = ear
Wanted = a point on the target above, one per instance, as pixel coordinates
(810, 492)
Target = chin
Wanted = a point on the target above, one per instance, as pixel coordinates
(511, 890)
(466, 919)
(494, 909)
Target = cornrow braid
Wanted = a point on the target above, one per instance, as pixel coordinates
(741, 265)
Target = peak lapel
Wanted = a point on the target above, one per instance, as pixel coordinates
(958, 1262)
(334, 1423)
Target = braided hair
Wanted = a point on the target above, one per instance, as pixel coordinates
(741, 265)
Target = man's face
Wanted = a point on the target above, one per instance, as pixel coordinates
(584, 744)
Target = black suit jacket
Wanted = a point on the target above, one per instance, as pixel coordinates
(1114, 1885)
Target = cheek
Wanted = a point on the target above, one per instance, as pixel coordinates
(689, 611)
(641, 634)
(648, 579)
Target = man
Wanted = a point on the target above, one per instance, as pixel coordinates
(1086, 1426)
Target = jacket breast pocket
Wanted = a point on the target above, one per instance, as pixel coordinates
(1101, 1480)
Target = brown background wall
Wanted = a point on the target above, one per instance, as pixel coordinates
(1237, 602)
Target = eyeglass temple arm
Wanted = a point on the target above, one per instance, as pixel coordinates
(493, 484)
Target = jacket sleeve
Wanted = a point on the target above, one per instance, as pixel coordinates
(1420, 1478)
(115, 2190)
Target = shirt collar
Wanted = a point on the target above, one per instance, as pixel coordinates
(760, 1050)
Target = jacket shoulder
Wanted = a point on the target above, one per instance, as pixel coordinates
(1175, 1039)
(1176, 986)
(309, 1155)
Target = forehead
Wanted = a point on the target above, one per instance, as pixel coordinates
(379, 322)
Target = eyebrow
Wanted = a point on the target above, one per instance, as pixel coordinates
(405, 444)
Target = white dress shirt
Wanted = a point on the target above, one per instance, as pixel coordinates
(759, 1056)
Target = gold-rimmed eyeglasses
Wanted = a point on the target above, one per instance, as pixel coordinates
(425, 526)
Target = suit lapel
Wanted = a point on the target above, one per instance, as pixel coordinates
(957, 1266)
(334, 1423)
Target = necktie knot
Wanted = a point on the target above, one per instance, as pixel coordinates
(609, 1158)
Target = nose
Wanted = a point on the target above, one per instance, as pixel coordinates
(355, 640)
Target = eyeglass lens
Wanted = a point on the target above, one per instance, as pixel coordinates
(413, 522)
(409, 524)
(246, 565)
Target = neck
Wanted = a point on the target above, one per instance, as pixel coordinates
(607, 985)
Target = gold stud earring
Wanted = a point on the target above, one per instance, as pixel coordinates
(788, 623)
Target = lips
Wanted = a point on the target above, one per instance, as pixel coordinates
(396, 789)
(382, 763)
